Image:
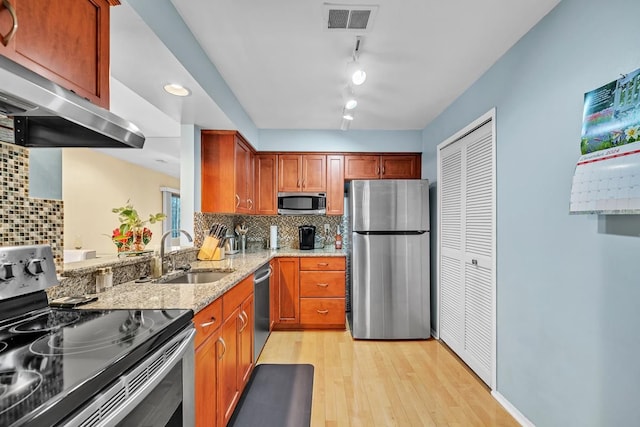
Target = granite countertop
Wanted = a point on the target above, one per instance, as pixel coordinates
(152, 295)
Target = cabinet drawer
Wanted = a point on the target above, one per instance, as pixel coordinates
(234, 297)
(322, 263)
(207, 321)
(322, 311)
(322, 284)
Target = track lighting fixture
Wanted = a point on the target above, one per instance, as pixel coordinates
(356, 72)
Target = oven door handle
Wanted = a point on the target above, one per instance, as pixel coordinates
(153, 368)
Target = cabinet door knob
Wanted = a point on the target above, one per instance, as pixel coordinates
(474, 261)
(14, 18)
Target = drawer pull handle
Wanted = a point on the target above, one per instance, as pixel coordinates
(5, 39)
(323, 264)
(323, 311)
(207, 324)
(322, 285)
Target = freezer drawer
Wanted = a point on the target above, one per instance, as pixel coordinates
(391, 292)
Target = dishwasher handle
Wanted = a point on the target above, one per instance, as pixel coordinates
(264, 277)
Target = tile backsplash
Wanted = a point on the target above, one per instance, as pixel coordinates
(258, 227)
(258, 232)
(25, 220)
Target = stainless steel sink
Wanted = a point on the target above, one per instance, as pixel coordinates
(200, 277)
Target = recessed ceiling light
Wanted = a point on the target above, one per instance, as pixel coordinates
(351, 104)
(347, 116)
(176, 89)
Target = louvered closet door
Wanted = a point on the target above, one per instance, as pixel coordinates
(467, 245)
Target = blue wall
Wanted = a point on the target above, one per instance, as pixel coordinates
(568, 288)
(337, 140)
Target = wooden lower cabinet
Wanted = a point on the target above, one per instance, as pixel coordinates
(207, 343)
(228, 390)
(245, 341)
(236, 361)
(206, 358)
(273, 293)
(288, 304)
(224, 354)
(311, 293)
(322, 312)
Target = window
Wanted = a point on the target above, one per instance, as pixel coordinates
(171, 208)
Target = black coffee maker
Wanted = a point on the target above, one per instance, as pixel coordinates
(307, 236)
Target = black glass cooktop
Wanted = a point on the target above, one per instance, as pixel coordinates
(52, 360)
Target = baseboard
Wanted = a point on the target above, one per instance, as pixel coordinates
(520, 418)
(434, 334)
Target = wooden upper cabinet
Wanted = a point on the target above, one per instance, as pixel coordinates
(66, 41)
(226, 172)
(289, 172)
(302, 172)
(386, 166)
(400, 167)
(244, 177)
(361, 167)
(314, 172)
(335, 185)
(266, 188)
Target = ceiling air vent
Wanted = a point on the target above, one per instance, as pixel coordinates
(342, 17)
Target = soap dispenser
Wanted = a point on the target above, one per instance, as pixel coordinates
(338, 238)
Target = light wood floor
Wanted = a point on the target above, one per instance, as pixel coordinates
(386, 383)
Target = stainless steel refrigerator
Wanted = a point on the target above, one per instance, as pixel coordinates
(390, 259)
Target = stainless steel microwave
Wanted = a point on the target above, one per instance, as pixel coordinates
(302, 203)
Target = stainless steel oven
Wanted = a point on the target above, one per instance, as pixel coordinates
(89, 368)
(157, 392)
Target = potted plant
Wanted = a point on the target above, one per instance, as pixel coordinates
(132, 233)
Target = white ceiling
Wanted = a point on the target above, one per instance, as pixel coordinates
(288, 72)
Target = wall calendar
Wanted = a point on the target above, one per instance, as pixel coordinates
(607, 175)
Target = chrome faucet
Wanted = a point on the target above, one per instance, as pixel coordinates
(163, 238)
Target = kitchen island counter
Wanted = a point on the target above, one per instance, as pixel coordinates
(151, 295)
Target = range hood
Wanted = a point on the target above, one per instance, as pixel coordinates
(47, 115)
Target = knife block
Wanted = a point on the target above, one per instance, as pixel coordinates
(210, 250)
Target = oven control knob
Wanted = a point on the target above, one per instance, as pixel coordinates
(35, 266)
(6, 272)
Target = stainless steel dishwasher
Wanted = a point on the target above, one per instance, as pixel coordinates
(262, 308)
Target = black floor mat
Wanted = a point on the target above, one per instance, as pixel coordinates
(276, 396)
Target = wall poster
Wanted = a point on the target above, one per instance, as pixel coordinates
(607, 176)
